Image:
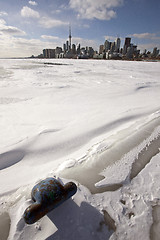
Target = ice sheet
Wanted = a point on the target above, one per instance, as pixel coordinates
(86, 120)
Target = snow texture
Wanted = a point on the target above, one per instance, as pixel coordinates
(96, 123)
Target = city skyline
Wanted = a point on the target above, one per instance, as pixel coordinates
(108, 50)
(27, 27)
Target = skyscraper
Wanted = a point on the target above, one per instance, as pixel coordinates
(64, 47)
(113, 45)
(101, 49)
(107, 45)
(118, 43)
(70, 37)
(127, 44)
(67, 45)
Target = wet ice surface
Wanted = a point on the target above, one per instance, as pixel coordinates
(95, 122)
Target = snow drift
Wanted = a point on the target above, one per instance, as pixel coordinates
(96, 123)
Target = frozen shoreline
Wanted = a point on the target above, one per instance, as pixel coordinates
(109, 154)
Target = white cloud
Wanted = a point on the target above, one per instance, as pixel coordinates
(64, 6)
(33, 3)
(58, 11)
(3, 14)
(48, 22)
(44, 21)
(2, 22)
(29, 13)
(152, 36)
(85, 42)
(148, 46)
(50, 38)
(21, 47)
(10, 30)
(89, 9)
(110, 38)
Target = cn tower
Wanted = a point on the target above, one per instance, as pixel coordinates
(70, 37)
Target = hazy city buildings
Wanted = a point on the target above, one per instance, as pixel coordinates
(155, 52)
(108, 50)
(113, 50)
(49, 53)
(69, 50)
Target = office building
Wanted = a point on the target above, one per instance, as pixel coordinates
(49, 53)
(101, 49)
(127, 44)
(106, 45)
(117, 45)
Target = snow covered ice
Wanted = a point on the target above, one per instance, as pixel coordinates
(96, 123)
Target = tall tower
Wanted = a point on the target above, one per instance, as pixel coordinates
(127, 42)
(106, 45)
(118, 43)
(70, 37)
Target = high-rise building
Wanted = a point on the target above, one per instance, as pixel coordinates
(70, 38)
(64, 47)
(112, 47)
(127, 44)
(101, 49)
(155, 52)
(90, 52)
(129, 53)
(78, 49)
(106, 45)
(73, 49)
(49, 53)
(58, 50)
(117, 44)
(67, 45)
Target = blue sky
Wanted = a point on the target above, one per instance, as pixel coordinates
(26, 26)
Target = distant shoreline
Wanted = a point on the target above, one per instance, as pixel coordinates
(128, 60)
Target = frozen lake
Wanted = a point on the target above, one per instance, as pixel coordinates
(95, 122)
